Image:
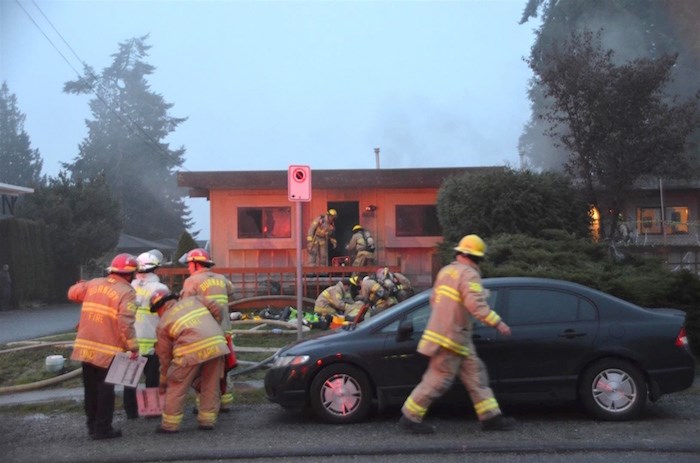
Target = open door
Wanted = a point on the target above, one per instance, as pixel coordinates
(348, 217)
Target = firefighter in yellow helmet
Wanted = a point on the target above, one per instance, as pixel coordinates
(457, 297)
(213, 286)
(361, 247)
(321, 233)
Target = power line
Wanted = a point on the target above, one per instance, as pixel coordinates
(131, 124)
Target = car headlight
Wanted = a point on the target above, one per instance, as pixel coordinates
(290, 360)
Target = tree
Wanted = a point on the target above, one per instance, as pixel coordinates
(82, 217)
(125, 142)
(510, 201)
(614, 120)
(634, 29)
(19, 163)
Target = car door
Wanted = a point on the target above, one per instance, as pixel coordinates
(553, 332)
(400, 367)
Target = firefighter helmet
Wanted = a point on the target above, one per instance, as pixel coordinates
(383, 274)
(354, 280)
(199, 255)
(332, 212)
(357, 227)
(123, 263)
(472, 245)
(147, 262)
(159, 297)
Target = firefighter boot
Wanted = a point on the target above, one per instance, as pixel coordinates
(498, 423)
(415, 427)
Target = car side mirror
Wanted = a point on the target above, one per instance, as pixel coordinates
(405, 330)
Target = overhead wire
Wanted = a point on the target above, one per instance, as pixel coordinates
(125, 119)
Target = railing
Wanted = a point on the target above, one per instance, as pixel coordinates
(249, 282)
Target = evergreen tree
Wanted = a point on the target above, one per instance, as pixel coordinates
(19, 163)
(125, 142)
(83, 221)
(633, 29)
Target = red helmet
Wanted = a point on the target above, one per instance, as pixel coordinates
(123, 263)
(199, 255)
(159, 297)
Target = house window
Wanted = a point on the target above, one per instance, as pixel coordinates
(418, 220)
(264, 222)
(675, 220)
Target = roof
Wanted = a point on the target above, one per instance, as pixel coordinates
(14, 190)
(200, 183)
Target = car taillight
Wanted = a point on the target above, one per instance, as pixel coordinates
(682, 339)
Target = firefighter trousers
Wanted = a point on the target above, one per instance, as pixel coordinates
(179, 380)
(443, 368)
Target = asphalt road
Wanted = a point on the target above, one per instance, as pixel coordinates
(549, 433)
(18, 325)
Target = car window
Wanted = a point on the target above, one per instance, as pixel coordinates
(419, 316)
(528, 306)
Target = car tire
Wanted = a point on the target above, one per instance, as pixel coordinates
(340, 394)
(613, 390)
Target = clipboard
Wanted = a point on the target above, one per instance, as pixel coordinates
(125, 371)
(150, 401)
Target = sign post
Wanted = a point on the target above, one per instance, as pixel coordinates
(299, 190)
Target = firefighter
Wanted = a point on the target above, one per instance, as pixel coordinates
(212, 286)
(191, 346)
(145, 283)
(106, 328)
(361, 247)
(396, 283)
(334, 300)
(321, 232)
(372, 293)
(457, 297)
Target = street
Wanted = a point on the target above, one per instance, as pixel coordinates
(265, 432)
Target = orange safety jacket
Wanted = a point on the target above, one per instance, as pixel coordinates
(457, 297)
(107, 316)
(188, 334)
(214, 287)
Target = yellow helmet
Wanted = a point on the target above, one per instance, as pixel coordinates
(332, 212)
(471, 244)
(354, 280)
(357, 227)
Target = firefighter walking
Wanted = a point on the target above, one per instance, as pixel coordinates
(321, 233)
(191, 346)
(457, 297)
(106, 328)
(361, 247)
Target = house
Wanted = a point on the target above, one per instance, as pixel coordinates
(253, 220)
(660, 218)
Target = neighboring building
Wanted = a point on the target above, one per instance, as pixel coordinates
(663, 218)
(9, 195)
(253, 221)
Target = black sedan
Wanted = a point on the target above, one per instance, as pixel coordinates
(569, 343)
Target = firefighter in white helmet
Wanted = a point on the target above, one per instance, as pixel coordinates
(145, 283)
(447, 339)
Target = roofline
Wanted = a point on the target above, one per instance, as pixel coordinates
(14, 190)
(200, 183)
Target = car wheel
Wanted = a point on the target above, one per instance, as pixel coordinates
(613, 390)
(340, 394)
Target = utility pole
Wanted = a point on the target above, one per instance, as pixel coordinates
(376, 157)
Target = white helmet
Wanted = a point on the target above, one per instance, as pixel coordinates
(148, 261)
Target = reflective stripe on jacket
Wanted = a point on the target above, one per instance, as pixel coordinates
(145, 325)
(457, 297)
(106, 324)
(215, 287)
(189, 335)
(333, 299)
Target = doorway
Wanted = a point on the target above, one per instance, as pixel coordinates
(348, 217)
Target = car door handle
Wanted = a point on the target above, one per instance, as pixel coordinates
(571, 334)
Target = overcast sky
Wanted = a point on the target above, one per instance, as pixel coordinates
(267, 84)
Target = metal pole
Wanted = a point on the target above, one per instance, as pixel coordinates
(376, 156)
(300, 308)
(663, 212)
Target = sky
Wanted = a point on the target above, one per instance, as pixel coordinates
(268, 84)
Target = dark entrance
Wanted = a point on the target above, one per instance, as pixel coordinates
(348, 217)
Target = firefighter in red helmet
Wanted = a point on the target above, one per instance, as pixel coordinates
(214, 287)
(106, 328)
